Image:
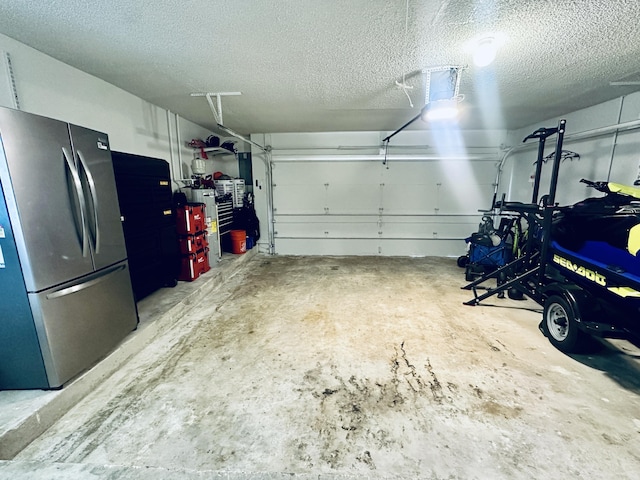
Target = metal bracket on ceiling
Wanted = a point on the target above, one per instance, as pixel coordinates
(447, 87)
(217, 113)
(451, 82)
(243, 138)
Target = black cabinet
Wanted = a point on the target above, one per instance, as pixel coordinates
(146, 205)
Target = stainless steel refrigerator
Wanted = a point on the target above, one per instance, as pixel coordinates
(65, 292)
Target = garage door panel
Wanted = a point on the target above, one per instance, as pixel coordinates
(309, 199)
(326, 227)
(360, 207)
(409, 199)
(289, 246)
(348, 173)
(353, 199)
(333, 172)
(403, 172)
(461, 198)
(410, 247)
(422, 248)
(299, 173)
(427, 228)
(373, 227)
(465, 171)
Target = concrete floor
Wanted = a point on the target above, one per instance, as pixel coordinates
(325, 367)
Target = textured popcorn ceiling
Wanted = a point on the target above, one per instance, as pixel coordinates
(331, 65)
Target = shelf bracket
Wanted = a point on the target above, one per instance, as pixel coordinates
(216, 109)
(217, 114)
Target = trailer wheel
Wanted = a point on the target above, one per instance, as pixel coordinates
(560, 325)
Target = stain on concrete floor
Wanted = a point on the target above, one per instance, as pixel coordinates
(367, 366)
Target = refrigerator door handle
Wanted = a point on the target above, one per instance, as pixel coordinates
(78, 186)
(81, 286)
(94, 199)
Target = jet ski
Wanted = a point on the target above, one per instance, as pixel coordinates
(613, 220)
(595, 251)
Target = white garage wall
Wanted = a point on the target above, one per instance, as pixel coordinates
(604, 157)
(51, 88)
(333, 194)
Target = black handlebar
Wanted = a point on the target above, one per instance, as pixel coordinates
(600, 186)
(541, 133)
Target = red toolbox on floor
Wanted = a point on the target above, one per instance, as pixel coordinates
(193, 243)
(193, 265)
(190, 219)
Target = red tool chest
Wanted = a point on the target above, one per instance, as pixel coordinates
(190, 219)
(193, 243)
(192, 238)
(193, 265)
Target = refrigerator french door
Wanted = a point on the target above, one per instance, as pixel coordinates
(64, 275)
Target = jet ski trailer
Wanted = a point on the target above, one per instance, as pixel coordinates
(581, 262)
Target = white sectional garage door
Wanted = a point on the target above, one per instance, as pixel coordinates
(344, 206)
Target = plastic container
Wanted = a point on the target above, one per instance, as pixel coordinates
(235, 187)
(194, 265)
(190, 219)
(193, 243)
(238, 241)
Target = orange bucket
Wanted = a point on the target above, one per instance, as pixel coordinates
(238, 241)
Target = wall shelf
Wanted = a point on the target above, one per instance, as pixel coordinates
(211, 151)
(216, 151)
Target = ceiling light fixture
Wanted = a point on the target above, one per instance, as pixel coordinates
(440, 110)
(442, 95)
(217, 115)
(485, 51)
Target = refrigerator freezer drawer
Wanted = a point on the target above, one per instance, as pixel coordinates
(81, 322)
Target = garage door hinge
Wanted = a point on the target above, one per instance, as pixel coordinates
(326, 209)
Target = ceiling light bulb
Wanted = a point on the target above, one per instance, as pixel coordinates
(485, 52)
(440, 110)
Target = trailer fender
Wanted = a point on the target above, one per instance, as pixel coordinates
(577, 298)
(563, 318)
